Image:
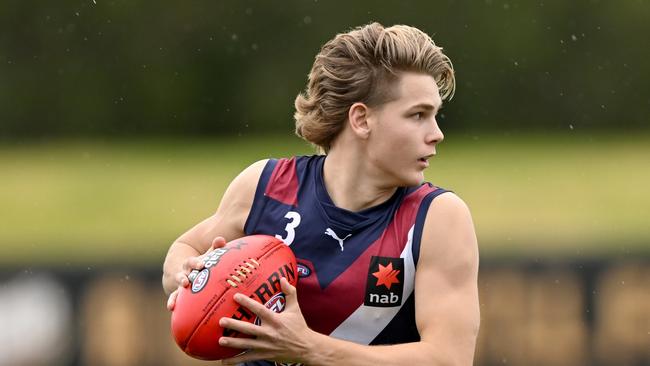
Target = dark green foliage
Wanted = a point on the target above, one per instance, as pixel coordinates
(127, 68)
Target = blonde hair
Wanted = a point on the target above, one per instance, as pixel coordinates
(358, 66)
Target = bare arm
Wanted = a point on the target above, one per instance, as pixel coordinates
(446, 302)
(227, 223)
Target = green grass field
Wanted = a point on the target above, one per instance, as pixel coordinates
(94, 202)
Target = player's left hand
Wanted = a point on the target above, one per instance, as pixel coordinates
(191, 263)
(281, 337)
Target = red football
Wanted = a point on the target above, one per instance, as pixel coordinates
(253, 266)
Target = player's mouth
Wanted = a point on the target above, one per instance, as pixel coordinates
(425, 160)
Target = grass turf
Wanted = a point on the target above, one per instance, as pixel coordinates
(94, 202)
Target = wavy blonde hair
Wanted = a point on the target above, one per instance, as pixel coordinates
(359, 66)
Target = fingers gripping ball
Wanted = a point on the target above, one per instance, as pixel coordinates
(253, 266)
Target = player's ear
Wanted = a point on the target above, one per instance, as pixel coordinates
(358, 120)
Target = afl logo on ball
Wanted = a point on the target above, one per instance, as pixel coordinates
(200, 280)
(303, 271)
(276, 304)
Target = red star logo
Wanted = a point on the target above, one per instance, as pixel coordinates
(386, 275)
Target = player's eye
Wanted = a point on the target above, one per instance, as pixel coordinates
(418, 115)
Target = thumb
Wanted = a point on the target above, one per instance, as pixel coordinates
(290, 292)
(218, 242)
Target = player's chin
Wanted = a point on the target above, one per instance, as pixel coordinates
(413, 179)
(419, 180)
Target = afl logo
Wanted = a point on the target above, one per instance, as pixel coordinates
(200, 280)
(303, 271)
(276, 304)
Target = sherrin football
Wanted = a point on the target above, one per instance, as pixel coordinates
(253, 266)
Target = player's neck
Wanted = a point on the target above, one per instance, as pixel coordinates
(349, 183)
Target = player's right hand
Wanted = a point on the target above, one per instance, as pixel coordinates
(190, 264)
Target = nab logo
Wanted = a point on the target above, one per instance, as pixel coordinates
(212, 258)
(385, 282)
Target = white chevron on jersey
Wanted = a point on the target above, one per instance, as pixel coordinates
(367, 322)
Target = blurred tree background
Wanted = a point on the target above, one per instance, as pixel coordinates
(124, 68)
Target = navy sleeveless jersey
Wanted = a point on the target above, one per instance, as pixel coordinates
(356, 269)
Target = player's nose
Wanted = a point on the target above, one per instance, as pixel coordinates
(435, 135)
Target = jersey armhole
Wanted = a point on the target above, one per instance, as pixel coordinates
(259, 200)
(419, 221)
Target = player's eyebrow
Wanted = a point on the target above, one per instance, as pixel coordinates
(425, 106)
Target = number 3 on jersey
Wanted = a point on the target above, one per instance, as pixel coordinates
(294, 218)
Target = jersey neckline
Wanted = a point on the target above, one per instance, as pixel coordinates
(345, 219)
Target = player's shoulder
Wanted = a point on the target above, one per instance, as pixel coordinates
(243, 186)
(448, 205)
(254, 170)
(449, 229)
(250, 176)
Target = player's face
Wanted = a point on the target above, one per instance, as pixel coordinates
(404, 132)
